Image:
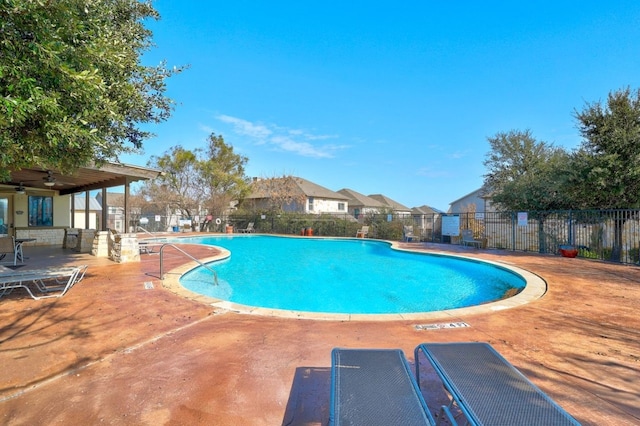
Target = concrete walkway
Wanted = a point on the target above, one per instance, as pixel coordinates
(116, 351)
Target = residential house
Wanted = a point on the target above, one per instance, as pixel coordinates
(312, 197)
(478, 201)
(81, 213)
(394, 206)
(360, 205)
(115, 205)
(428, 220)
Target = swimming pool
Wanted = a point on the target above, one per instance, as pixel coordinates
(345, 276)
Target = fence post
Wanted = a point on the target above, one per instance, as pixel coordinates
(513, 230)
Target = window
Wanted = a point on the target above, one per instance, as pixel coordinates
(310, 204)
(341, 207)
(40, 211)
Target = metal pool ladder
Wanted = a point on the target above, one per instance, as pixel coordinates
(215, 275)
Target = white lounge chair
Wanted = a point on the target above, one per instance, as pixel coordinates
(407, 234)
(362, 232)
(249, 229)
(42, 283)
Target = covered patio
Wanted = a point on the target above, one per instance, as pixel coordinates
(48, 194)
(120, 348)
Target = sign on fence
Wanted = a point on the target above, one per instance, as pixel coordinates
(451, 225)
(523, 219)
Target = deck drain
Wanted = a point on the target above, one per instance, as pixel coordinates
(148, 285)
(441, 325)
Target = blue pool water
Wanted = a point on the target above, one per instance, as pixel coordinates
(344, 276)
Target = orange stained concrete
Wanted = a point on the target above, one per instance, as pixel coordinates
(112, 351)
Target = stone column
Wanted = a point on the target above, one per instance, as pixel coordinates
(85, 240)
(100, 247)
(128, 250)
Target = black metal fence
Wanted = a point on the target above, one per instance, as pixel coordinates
(612, 235)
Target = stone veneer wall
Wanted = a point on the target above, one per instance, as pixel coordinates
(43, 236)
(121, 248)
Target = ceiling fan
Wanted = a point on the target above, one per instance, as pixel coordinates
(49, 180)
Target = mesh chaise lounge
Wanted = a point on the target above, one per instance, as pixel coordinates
(375, 387)
(42, 283)
(487, 388)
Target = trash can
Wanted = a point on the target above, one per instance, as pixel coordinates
(176, 229)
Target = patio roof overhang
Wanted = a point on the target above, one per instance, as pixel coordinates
(83, 179)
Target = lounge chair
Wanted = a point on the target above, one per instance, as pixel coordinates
(407, 234)
(467, 238)
(487, 388)
(362, 232)
(248, 230)
(42, 283)
(8, 247)
(375, 387)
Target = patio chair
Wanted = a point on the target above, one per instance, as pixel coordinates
(407, 233)
(375, 387)
(487, 388)
(8, 247)
(467, 238)
(362, 232)
(249, 229)
(42, 283)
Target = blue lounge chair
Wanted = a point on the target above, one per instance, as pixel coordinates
(375, 387)
(487, 388)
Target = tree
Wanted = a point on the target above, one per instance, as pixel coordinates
(198, 181)
(279, 193)
(73, 91)
(222, 176)
(526, 175)
(607, 164)
(179, 187)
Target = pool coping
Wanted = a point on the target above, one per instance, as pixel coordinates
(534, 289)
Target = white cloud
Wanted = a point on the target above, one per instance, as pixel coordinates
(246, 128)
(296, 141)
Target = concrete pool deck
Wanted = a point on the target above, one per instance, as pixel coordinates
(120, 348)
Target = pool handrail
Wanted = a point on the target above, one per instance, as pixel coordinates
(215, 275)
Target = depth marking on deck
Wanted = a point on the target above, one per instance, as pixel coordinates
(148, 285)
(441, 325)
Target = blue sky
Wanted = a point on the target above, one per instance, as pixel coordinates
(396, 98)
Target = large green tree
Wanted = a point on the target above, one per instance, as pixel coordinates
(222, 175)
(607, 164)
(606, 167)
(178, 189)
(73, 90)
(197, 181)
(524, 174)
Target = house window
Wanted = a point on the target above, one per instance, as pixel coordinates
(341, 207)
(310, 204)
(40, 211)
